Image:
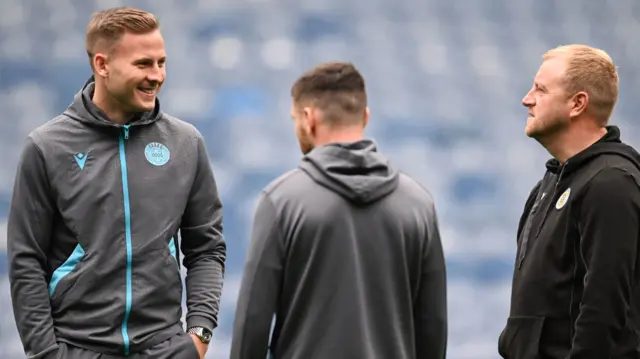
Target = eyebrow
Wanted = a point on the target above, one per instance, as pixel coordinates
(148, 60)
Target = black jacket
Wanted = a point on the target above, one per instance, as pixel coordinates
(575, 285)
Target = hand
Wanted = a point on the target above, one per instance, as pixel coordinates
(202, 347)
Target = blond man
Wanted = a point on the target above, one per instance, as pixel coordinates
(575, 284)
(101, 194)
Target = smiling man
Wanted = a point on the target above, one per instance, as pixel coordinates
(101, 194)
(575, 290)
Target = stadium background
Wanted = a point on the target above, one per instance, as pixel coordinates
(445, 80)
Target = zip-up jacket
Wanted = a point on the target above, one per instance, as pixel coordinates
(575, 291)
(93, 232)
(346, 252)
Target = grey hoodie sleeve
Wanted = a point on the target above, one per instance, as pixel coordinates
(203, 245)
(431, 305)
(260, 288)
(28, 237)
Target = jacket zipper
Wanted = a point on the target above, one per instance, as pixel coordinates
(127, 223)
(546, 213)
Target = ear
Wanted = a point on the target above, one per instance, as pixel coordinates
(309, 120)
(101, 65)
(579, 103)
(367, 113)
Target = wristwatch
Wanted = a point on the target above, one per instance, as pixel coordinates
(203, 334)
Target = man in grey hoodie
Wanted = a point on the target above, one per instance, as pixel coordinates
(101, 193)
(345, 251)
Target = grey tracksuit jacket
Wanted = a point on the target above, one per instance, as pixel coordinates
(346, 252)
(93, 232)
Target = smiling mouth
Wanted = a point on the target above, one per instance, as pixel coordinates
(147, 91)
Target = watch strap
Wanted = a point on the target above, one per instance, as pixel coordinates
(202, 333)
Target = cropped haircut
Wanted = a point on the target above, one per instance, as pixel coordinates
(590, 70)
(336, 88)
(107, 27)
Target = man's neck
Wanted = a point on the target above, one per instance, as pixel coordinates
(102, 100)
(569, 143)
(340, 135)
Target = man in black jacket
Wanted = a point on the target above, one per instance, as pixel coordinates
(345, 250)
(575, 285)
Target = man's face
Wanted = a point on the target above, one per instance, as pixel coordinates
(303, 127)
(547, 100)
(136, 71)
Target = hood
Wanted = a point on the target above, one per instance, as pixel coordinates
(356, 170)
(83, 109)
(610, 143)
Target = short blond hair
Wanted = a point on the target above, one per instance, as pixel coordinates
(590, 70)
(106, 27)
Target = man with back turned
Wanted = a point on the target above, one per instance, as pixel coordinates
(345, 250)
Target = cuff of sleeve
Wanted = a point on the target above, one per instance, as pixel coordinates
(199, 321)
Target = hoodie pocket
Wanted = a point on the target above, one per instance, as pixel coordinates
(172, 248)
(66, 275)
(521, 338)
(191, 347)
(173, 252)
(171, 269)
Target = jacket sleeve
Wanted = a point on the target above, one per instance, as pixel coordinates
(431, 306)
(260, 287)
(608, 223)
(28, 238)
(203, 245)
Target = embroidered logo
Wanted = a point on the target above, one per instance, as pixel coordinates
(157, 154)
(563, 199)
(81, 159)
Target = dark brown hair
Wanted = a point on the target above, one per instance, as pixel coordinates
(106, 27)
(336, 88)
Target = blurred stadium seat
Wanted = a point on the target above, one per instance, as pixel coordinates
(445, 81)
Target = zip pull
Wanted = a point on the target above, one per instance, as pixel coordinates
(125, 128)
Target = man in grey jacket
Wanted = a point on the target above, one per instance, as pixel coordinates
(345, 250)
(101, 193)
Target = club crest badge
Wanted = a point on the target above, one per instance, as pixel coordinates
(563, 199)
(157, 154)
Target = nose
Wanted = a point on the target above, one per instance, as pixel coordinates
(528, 100)
(156, 74)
